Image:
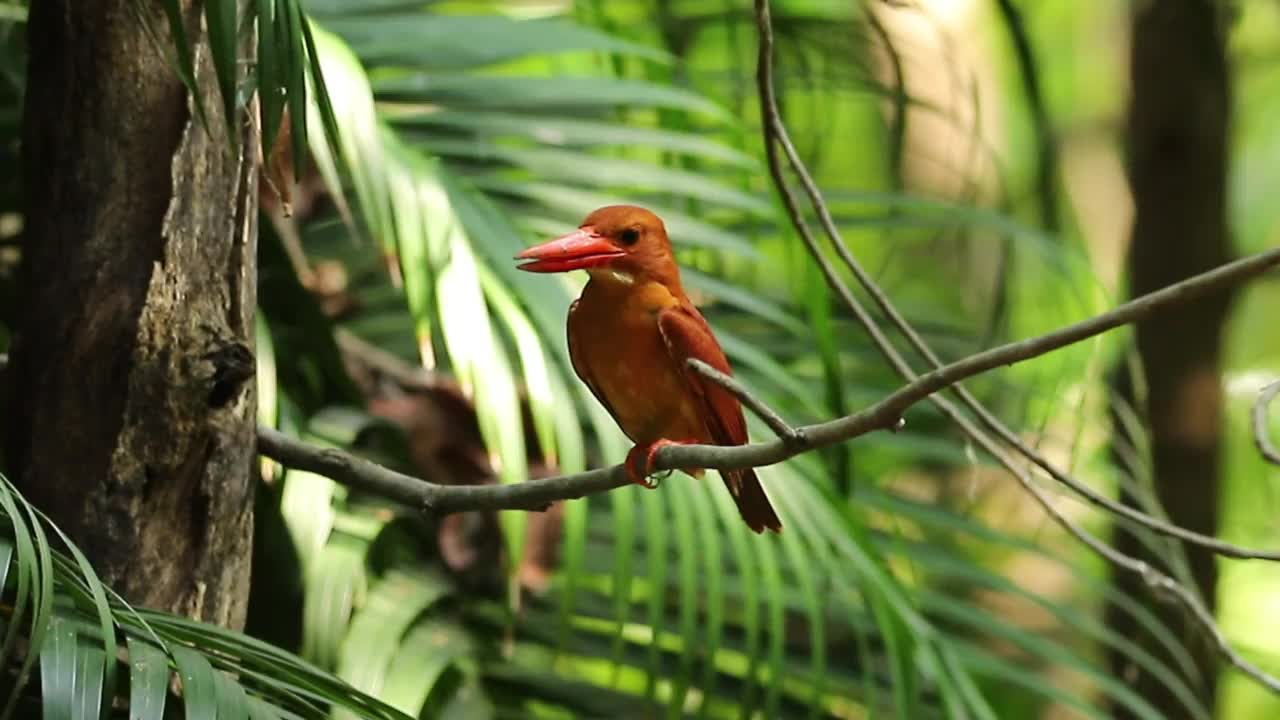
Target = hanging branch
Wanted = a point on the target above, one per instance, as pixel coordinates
(789, 435)
(775, 136)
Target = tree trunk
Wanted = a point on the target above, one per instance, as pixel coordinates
(132, 403)
(1179, 119)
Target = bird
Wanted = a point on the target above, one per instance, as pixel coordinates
(631, 334)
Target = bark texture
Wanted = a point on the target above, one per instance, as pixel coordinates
(132, 404)
(1179, 121)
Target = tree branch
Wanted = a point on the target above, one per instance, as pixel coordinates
(1154, 579)
(360, 474)
(1260, 435)
(780, 427)
(406, 375)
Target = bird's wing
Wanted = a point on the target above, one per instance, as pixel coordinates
(579, 367)
(687, 336)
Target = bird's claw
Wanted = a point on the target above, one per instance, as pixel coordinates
(641, 474)
(635, 472)
(645, 482)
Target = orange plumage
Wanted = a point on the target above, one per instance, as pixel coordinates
(630, 335)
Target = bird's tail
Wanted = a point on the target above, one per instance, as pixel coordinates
(752, 503)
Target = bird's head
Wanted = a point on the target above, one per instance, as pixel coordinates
(621, 241)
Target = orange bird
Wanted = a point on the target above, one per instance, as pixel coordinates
(630, 335)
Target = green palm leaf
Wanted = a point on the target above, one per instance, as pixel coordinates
(77, 655)
(450, 156)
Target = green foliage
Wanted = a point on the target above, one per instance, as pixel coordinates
(448, 135)
(663, 600)
(86, 645)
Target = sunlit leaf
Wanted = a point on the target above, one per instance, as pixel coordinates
(533, 361)
(375, 634)
(426, 652)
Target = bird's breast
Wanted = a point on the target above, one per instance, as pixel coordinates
(622, 348)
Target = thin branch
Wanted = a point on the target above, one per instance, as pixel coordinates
(1154, 579)
(1260, 434)
(360, 474)
(776, 134)
(759, 407)
(413, 377)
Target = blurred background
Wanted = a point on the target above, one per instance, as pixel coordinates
(1001, 167)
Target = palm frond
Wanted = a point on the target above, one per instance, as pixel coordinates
(82, 639)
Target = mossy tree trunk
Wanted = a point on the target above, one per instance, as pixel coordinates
(131, 418)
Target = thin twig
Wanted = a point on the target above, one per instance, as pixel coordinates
(1261, 436)
(762, 410)
(1154, 579)
(414, 377)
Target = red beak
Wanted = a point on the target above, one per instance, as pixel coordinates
(578, 250)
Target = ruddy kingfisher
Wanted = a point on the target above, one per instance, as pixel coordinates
(631, 334)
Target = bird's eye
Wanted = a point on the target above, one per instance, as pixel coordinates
(629, 236)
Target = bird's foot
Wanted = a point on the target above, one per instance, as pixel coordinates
(647, 454)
